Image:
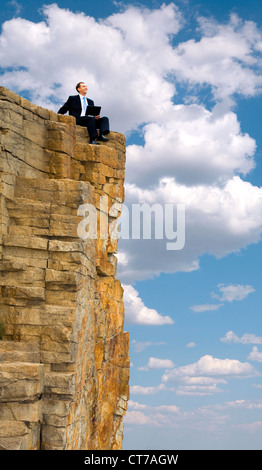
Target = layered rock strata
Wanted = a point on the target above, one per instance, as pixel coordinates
(64, 364)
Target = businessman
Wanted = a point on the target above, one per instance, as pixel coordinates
(76, 106)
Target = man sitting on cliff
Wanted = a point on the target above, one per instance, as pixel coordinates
(76, 105)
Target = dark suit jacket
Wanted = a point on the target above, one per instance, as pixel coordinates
(73, 106)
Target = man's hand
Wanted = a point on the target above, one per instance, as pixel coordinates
(97, 117)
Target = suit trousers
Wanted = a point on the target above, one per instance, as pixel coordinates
(92, 124)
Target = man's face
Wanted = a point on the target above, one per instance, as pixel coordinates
(82, 89)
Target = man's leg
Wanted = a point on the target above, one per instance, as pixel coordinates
(103, 125)
(90, 123)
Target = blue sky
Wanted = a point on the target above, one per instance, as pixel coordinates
(183, 81)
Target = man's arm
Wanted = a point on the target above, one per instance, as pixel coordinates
(64, 108)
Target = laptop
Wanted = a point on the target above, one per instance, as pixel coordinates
(93, 110)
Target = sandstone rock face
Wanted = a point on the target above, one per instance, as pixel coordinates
(64, 363)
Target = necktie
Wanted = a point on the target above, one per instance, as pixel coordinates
(84, 104)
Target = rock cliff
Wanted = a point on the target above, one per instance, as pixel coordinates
(64, 363)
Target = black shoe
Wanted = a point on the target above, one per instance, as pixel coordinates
(102, 138)
(93, 142)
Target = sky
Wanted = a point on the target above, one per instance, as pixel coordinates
(182, 81)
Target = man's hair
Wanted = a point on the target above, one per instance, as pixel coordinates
(78, 85)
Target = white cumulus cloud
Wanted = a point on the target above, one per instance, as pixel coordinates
(255, 355)
(225, 57)
(193, 145)
(219, 219)
(156, 363)
(202, 377)
(247, 338)
(233, 292)
(210, 366)
(140, 390)
(137, 312)
(205, 307)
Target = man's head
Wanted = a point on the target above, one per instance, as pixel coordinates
(81, 88)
